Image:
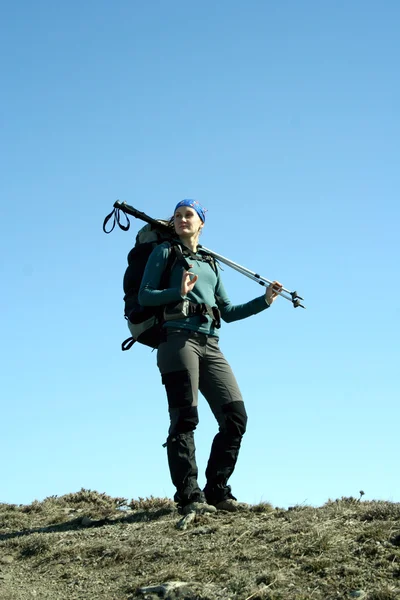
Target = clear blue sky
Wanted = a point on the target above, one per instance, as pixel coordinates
(283, 120)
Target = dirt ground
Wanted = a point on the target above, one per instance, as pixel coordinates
(87, 545)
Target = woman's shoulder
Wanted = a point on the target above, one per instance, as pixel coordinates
(162, 250)
(165, 245)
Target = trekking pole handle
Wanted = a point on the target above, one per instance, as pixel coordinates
(130, 210)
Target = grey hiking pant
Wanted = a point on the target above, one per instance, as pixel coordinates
(189, 362)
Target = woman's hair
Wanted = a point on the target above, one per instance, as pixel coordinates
(170, 223)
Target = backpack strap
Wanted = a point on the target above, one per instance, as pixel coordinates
(127, 344)
(205, 309)
(172, 257)
(180, 256)
(203, 256)
(212, 262)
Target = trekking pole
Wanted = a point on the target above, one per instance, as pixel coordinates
(293, 297)
(287, 294)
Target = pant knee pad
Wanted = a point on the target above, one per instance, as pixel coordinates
(183, 419)
(235, 419)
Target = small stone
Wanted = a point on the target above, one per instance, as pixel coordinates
(185, 521)
(7, 559)
(164, 588)
(86, 521)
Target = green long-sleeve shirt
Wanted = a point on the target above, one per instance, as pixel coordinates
(208, 289)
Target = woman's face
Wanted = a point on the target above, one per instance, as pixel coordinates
(187, 222)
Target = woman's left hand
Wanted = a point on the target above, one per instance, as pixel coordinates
(272, 291)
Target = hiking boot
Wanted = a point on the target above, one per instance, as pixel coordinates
(198, 507)
(231, 505)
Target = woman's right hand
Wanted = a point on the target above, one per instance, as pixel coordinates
(188, 282)
(273, 291)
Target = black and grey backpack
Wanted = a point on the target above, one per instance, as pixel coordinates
(145, 322)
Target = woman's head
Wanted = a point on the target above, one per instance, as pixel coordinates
(195, 205)
(188, 219)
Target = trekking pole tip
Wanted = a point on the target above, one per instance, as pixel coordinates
(296, 303)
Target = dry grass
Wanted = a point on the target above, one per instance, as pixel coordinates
(89, 545)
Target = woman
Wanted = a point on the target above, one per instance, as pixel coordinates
(190, 360)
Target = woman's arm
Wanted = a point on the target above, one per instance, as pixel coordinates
(231, 312)
(235, 312)
(149, 294)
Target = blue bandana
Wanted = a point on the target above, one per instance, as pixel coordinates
(195, 205)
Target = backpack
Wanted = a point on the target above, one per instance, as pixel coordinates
(145, 322)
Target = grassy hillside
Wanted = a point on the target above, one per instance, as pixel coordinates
(88, 545)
